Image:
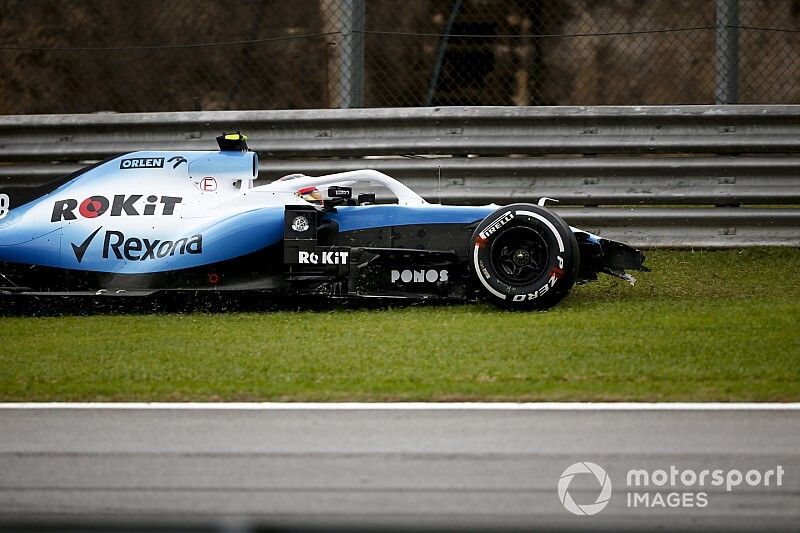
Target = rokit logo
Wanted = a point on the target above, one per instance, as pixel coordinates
(121, 204)
(142, 162)
(116, 245)
(419, 276)
(322, 258)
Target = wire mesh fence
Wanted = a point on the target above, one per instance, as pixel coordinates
(163, 55)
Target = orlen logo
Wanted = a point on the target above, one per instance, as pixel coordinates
(94, 206)
(143, 162)
(419, 276)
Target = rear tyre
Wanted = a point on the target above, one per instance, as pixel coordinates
(524, 257)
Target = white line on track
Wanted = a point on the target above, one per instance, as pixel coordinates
(417, 406)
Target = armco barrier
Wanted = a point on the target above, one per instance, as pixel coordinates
(655, 176)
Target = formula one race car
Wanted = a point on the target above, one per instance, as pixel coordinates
(147, 222)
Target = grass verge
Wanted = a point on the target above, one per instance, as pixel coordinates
(703, 326)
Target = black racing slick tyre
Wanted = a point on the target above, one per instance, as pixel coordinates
(524, 257)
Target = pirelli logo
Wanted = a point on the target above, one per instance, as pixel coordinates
(501, 221)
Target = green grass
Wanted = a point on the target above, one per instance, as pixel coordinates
(703, 326)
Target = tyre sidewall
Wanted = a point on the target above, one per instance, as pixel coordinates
(562, 257)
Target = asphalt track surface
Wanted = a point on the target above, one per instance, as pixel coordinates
(461, 468)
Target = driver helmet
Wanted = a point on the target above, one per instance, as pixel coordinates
(310, 194)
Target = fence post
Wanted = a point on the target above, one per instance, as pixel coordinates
(351, 76)
(727, 52)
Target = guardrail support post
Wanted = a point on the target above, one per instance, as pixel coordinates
(352, 54)
(727, 52)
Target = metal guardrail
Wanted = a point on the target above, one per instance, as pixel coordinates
(701, 228)
(450, 130)
(709, 157)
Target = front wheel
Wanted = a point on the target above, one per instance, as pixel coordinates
(524, 257)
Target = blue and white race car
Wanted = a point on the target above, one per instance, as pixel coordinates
(147, 222)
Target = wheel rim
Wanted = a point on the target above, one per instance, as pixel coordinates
(519, 255)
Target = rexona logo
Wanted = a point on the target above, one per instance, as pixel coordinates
(419, 276)
(322, 258)
(143, 162)
(117, 245)
(121, 204)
